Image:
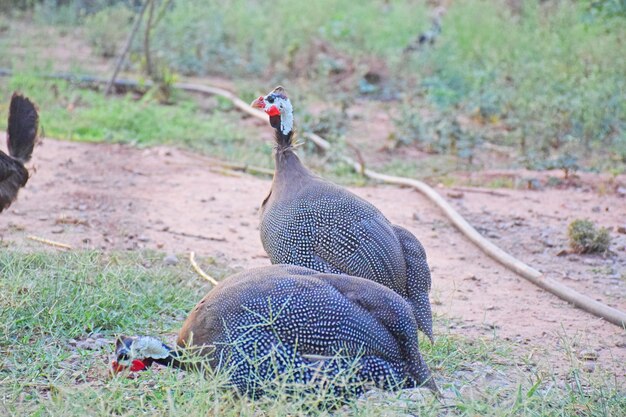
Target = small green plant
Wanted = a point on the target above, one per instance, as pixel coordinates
(440, 134)
(584, 237)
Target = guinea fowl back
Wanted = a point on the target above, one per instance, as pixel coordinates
(334, 231)
(304, 319)
(311, 222)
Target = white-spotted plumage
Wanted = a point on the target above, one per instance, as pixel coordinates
(308, 327)
(311, 222)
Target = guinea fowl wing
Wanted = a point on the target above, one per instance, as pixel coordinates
(13, 176)
(362, 244)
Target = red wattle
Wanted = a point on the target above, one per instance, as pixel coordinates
(273, 111)
(137, 365)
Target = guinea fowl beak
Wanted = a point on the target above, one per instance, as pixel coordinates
(259, 103)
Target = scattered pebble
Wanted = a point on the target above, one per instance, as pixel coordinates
(589, 366)
(170, 260)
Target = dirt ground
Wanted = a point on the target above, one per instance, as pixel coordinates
(101, 196)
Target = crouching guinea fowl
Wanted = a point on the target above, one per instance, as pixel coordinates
(308, 221)
(292, 322)
(21, 134)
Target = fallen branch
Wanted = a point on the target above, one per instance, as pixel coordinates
(196, 267)
(562, 291)
(185, 234)
(479, 191)
(252, 169)
(581, 301)
(49, 242)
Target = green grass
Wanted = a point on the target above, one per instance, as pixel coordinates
(50, 299)
(543, 79)
(547, 73)
(68, 112)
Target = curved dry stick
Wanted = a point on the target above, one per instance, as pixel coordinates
(49, 242)
(579, 300)
(199, 271)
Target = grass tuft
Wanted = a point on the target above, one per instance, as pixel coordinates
(50, 301)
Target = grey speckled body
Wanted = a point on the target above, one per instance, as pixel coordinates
(311, 222)
(312, 323)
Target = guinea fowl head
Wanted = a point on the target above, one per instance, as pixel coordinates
(278, 107)
(139, 352)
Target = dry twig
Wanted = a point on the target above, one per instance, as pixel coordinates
(196, 267)
(50, 242)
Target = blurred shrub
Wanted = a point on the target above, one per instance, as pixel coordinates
(547, 78)
(552, 83)
(103, 29)
(584, 237)
(73, 12)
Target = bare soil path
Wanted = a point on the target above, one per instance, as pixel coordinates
(104, 197)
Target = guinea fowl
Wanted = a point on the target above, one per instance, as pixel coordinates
(282, 320)
(21, 134)
(308, 221)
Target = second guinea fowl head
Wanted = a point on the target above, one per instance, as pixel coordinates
(139, 352)
(278, 107)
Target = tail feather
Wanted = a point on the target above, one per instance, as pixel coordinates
(418, 279)
(23, 125)
(423, 313)
(21, 136)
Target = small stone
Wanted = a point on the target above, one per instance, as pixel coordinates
(589, 366)
(596, 209)
(143, 238)
(621, 229)
(245, 224)
(170, 260)
(57, 230)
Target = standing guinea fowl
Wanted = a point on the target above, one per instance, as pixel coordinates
(308, 221)
(21, 134)
(269, 322)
